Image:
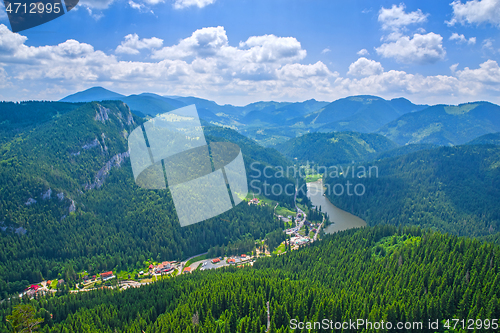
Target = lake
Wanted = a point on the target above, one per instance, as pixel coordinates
(341, 219)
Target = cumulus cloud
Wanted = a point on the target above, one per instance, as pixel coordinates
(365, 67)
(476, 12)
(363, 52)
(487, 74)
(202, 64)
(213, 42)
(180, 4)
(395, 18)
(206, 64)
(133, 44)
(461, 39)
(421, 49)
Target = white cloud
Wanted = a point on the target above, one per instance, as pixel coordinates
(365, 67)
(454, 67)
(180, 4)
(133, 44)
(325, 51)
(488, 44)
(396, 18)
(213, 42)
(363, 52)
(488, 74)
(461, 39)
(476, 12)
(421, 49)
(138, 6)
(206, 65)
(98, 4)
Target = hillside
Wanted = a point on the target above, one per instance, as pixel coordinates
(69, 201)
(358, 113)
(328, 149)
(406, 149)
(382, 273)
(95, 94)
(451, 189)
(487, 139)
(444, 125)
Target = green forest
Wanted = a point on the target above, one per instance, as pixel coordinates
(381, 273)
(451, 189)
(68, 201)
(69, 204)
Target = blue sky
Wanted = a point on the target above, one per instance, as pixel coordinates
(241, 51)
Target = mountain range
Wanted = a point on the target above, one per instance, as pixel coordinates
(272, 123)
(444, 124)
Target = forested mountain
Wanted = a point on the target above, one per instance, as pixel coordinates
(445, 124)
(358, 113)
(374, 274)
(327, 149)
(273, 113)
(452, 189)
(95, 94)
(20, 117)
(487, 139)
(69, 201)
(406, 149)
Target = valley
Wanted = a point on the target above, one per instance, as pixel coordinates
(76, 229)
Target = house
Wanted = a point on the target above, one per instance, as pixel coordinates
(60, 282)
(253, 201)
(34, 287)
(141, 272)
(107, 275)
(187, 270)
(215, 261)
(231, 261)
(164, 267)
(243, 256)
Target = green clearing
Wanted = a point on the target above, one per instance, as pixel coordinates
(280, 249)
(283, 211)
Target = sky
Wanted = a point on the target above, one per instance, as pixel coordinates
(243, 51)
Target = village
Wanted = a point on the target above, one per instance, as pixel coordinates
(300, 232)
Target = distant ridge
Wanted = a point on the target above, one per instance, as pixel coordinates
(487, 139)
(444, 124)
(95, 94)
